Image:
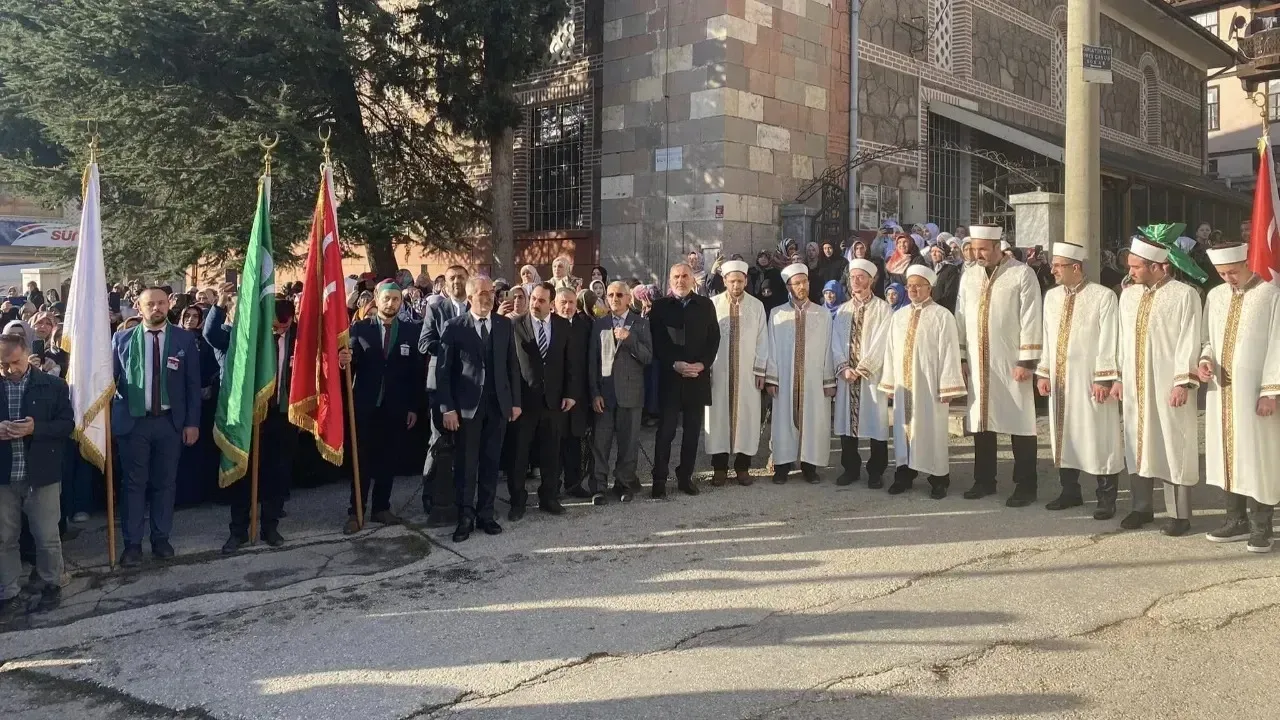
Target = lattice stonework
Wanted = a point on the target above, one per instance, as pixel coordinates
(1060, 66)
(1149, 104)
(941, 18)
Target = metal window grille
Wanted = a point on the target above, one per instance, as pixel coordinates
(948, 174)
(1212, 108)
(1151, 105)
(556, 173)
(1273, 99)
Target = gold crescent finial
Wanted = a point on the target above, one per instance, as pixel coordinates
(326, 134)
(268, 144)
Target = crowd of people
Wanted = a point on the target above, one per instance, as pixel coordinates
(467, 380)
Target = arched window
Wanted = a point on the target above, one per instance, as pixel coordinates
(1058, 81)
(941, 15)
(1149, 114)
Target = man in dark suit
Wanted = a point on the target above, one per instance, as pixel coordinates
(35, 421)
(441, 308)
(387, 372)
(686, 336)
(155, 411)
(549, 368)
(478, 391)
(279, 443)
(579, 419)
(620, 350)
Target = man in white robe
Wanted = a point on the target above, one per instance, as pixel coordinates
(998, 311)
(737, 378)
(922, 373)
(1159, 350)
(858, 335)
(1240, 363)
(800, 378)
(1076, 371)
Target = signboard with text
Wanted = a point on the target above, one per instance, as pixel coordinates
(18, 232)
(1097, 64)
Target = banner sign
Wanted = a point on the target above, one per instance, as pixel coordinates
(17, 232)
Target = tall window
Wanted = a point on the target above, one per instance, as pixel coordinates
(1209, 20)
(1212, 108)
(555, 167)
(1059, 80)
(1150, 100)
(1273, 99)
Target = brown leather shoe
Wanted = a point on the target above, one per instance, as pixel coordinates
(719, 478)
(352, 527)
(744, 478)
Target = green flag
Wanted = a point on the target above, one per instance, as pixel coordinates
(249, 375)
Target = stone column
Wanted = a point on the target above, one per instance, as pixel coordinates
(1038, 216)
(1080, 159)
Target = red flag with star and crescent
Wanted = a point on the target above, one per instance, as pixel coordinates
(316, 387)
(1264, 225)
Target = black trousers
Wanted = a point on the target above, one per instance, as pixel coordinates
(475, 462)
(439, 444)
(851, 459)
(690, 417)
(538, 432)
(741, 461)
(1024, 459)
(379, 434)
(571, 460)
(279, 439)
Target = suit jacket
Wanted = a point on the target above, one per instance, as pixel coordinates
(625, 387)
(547, 382)
(465, 365)
(48, 402)
(440, 311)
(217, 332)
(580, 417)
(184, 382)
(688, 333)
(397, 375)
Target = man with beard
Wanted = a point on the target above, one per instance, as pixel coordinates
(155, 411)
(450, 302)
(737, 377)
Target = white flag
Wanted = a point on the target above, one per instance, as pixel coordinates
(86, 332)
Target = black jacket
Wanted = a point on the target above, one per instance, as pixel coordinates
(947, 288)
(397, 376)
(47, 401)
(765, 285)
(547, 382)
(688, 333)
(581, 416)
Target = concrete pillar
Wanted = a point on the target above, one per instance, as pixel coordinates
(797, 224)
(1038, 216)
(1080, 160)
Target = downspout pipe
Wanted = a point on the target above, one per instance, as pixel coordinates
(855, 10)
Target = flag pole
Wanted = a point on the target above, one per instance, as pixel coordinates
(108, 472)
(355, 447)
(254, 452)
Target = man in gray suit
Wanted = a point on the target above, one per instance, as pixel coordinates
(620, 348)
(437, 493)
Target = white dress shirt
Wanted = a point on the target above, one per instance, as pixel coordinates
(147, 360)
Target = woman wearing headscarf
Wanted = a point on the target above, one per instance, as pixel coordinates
(905, 254)
(529, 277)
(20, 327)
(832, 296)
(931, 234)
(599, 273)
(198, 464)
(787, 254)
(896, 295)
(830, 267)
(562, 274)
(764, 282)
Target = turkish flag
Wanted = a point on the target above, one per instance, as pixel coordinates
(316, 389)
(1264, 225)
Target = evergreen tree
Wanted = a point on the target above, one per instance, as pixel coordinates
(181, 90)
(480, 50)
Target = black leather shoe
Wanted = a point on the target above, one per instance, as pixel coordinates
(162, 550)
(1064, 501)
(515, 513)
(900, 485)
(234, 543)
(779, 477)
(50, 598)
(551, 507)
(875, 482)
(490, 527)
(464, 530)
(847, 478)
(980, 490)
(1020, 498)
(658, 492)
(689, 488)
(1135, 520)
(12, 609)
(580, 493)
(938, 489)
(272, 538)
(1174, 527)
(131, 557)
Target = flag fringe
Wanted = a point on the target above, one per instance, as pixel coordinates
(87, 449)
(239, 459)
(261, 400)
(300, 415)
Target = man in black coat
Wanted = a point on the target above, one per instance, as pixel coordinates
(35, 421)
(764, 283)
(478, 390)
(279, 441)
(579, 419)
(437, 495)
(550, 366)
(388, 397)
(686, 336)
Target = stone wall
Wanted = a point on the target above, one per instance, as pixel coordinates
(1007, 57)
(1118, 105)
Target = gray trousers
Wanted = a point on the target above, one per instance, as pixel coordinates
(1177, 498)
(43, 506)
(624, 425)
(149, 455)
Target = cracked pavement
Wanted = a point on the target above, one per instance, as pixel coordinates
(791, 602)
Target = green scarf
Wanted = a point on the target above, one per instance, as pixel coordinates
(1166, 236)
(135, 373)
(386, 350)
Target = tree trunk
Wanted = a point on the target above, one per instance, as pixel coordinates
(351, 146)
(502, 160)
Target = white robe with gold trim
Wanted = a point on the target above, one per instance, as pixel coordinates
(1159, 349)
(733, 418)
(1242, 450)
(999, 319)
(800, 365)
(1080, 336)
(921, 369)
(858, 336)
